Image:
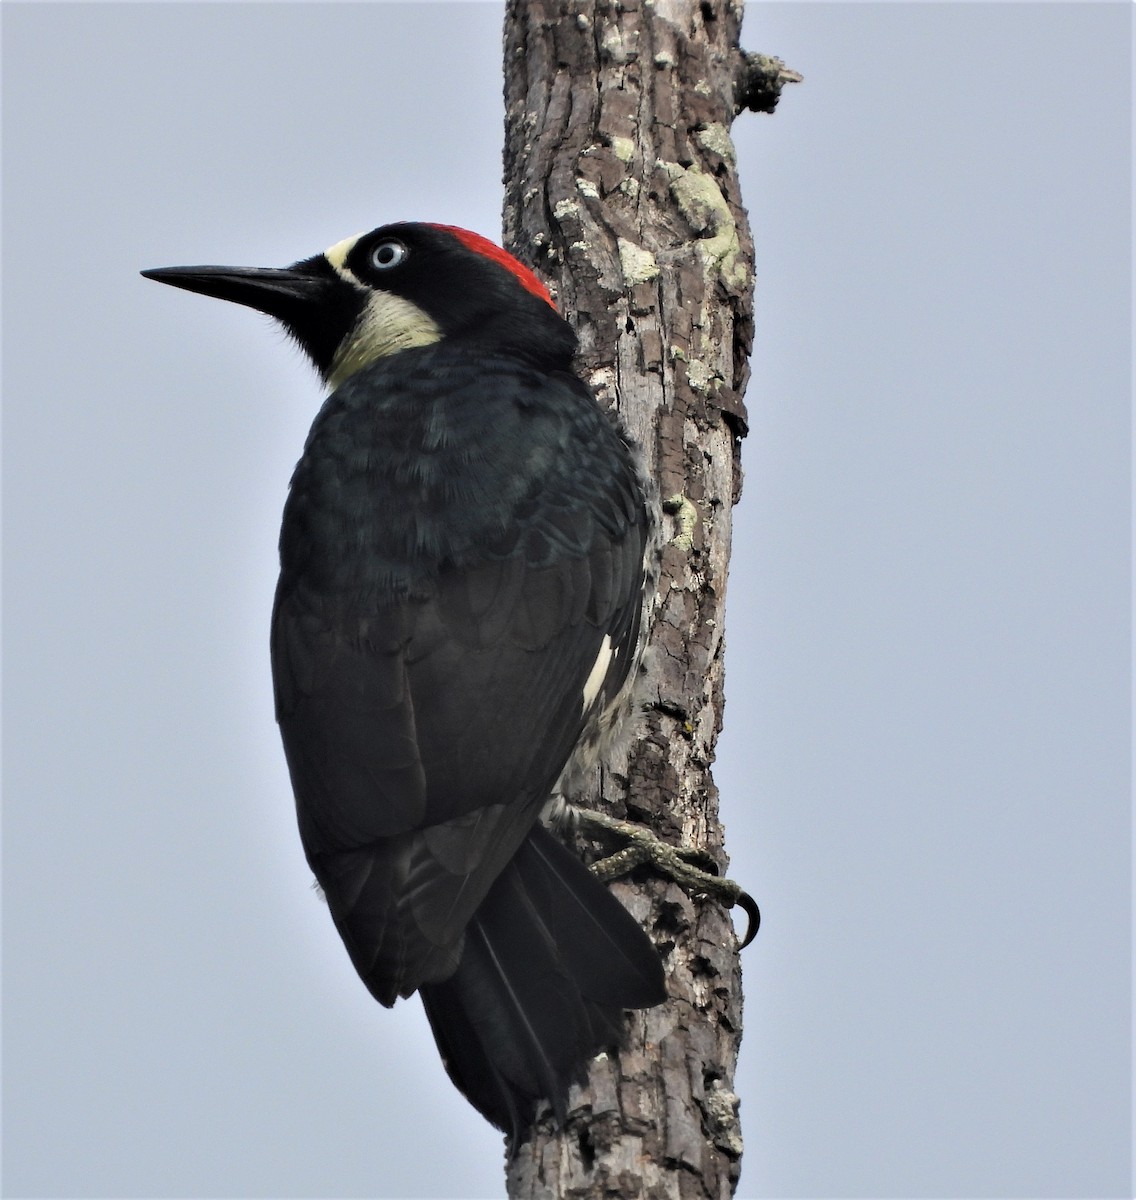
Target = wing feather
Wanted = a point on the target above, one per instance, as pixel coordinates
(429, 693)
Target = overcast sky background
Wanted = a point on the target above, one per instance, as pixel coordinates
(924, 769)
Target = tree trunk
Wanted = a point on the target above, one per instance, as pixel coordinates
(621, 191)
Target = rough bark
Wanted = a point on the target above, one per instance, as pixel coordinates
(621, 192)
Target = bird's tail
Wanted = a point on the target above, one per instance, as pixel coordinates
(551, 959)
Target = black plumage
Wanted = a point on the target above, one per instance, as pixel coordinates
(458, 620)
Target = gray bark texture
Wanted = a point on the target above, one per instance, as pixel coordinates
(621, 192)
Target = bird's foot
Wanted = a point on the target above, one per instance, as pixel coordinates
(641, 846)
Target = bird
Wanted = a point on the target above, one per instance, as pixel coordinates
(465, 587)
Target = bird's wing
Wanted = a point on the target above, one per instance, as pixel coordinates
(424, 736)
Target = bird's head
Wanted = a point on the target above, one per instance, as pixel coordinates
(395, 288)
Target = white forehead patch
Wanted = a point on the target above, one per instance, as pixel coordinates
(337, 256)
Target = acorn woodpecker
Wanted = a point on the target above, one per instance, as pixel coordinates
(464, 559)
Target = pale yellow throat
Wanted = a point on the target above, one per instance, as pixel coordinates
(387, 325)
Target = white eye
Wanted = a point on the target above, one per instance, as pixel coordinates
(387, 254)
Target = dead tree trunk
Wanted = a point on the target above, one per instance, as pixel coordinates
(621, 191)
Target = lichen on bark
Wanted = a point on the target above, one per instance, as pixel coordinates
(621, 192)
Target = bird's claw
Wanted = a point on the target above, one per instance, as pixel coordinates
(642, 846)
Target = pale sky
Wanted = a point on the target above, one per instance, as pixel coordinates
(925, 764)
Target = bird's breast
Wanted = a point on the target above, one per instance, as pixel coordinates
(401, 478)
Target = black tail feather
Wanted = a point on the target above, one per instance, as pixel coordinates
(551, 960)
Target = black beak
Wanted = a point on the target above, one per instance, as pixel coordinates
(279, 292)
(315, 305)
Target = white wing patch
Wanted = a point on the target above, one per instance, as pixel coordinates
(598, 673)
